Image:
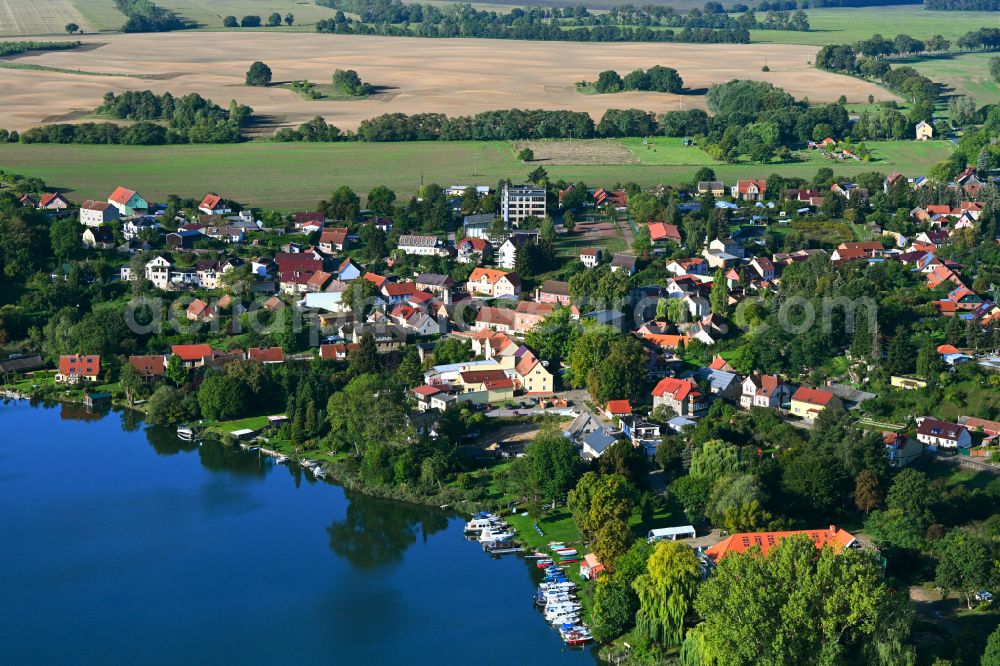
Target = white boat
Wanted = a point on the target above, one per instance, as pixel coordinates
(489, 535)
(185, 432)
(479, 524)
(281, 460)
(319, 472)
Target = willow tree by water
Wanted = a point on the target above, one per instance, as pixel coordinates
(666, 592)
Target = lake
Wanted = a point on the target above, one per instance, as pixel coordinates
(121, 544)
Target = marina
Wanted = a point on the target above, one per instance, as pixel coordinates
(556, 594)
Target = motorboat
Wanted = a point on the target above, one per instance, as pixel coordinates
(281, 460)
(575, 634)
(185, 432)
(490, 535)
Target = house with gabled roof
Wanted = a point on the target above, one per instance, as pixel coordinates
(53, 201)
(807, 402)
(493, 283)
(266, 354)
(682, 396)
(128, 202)
(337, 352)
(623, 262)
(495, 319)
(212, 204)
(532, 375)
(661, 233)
(749, 190)
(97, 213)
(764, 391)
(590, 256)
(935, 433)
(199, 310)
(192, 356)
(473, 250)
(149, 366)
(333, 239)
(98, 237)
(553, 291)
(78, 368)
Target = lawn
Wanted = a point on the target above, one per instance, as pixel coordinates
(290, 176)
(963, 73)
(956, 475)
(848, 25)
(660, 151)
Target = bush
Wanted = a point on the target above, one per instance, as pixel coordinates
(230, 22)
(250, 22)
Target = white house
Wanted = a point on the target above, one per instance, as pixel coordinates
(942, 434)
(213, 204)
(97, 213)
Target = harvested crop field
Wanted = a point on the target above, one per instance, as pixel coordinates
(455, 77)
(37, 17)
(578, 151)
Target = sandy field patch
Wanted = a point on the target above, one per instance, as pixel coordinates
(586, 151)
(451, 76)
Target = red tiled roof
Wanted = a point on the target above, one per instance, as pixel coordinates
(427, 390)
(619, 407)
(837, 539)
(334, 236)
(121, 195)
(812, 396)
(191, 352)
(662, 231)
(149, 366)
(266, 354)
(49, 198)
(399, 289)
(211, 201)
(491, 274)
(743, 186)
(377, 280)
(80, 365)
(679, 389)
(337, 351)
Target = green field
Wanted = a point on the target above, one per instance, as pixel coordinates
(668, 151)
(846, 25)
(964, 73)
(289, 176)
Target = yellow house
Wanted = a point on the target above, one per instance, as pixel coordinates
(907, 383)
(807, 403)
(924, 130)
(535, 377)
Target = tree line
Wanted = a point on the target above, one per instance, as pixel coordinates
(392, 18)
(962, 5)
(14, 48)
(162, 119)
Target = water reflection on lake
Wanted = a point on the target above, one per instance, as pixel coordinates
(123, 544)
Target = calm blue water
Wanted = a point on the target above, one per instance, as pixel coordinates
(117, 545)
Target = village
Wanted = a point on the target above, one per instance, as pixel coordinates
(435, 347)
